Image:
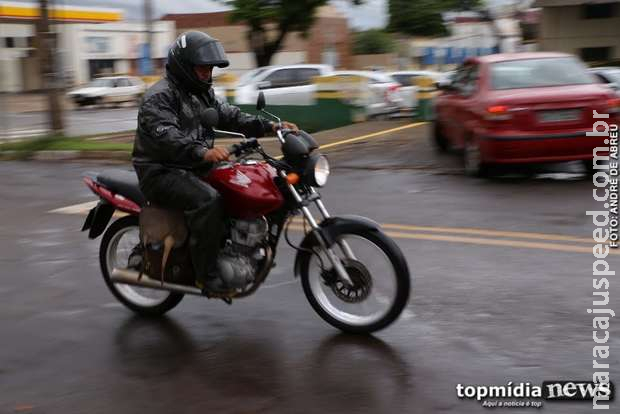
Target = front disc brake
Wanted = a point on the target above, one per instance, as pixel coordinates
(359, 275)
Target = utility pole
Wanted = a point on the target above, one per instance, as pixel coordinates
(148, 47)
(47, 47)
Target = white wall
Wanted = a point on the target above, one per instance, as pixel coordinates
(10, 65)
(118, 41)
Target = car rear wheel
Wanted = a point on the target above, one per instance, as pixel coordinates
(439, 139)
(472, 159)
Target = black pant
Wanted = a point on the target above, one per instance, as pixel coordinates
(203, 208)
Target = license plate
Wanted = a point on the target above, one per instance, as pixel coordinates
(560, 115)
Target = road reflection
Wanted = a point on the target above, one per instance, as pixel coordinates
(264, 367)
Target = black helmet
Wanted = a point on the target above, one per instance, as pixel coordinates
(189, 50)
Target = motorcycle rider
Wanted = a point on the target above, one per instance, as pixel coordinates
(172, 145)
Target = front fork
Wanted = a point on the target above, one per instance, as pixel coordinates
(331, 255)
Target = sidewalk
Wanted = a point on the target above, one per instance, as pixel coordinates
(348, 135)
(29, 102)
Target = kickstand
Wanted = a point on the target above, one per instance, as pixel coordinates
(227, 300)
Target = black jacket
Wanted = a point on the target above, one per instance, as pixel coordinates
(170, 133)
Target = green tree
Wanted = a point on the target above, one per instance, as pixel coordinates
(269, 22)
(423, 17)
(374, 41)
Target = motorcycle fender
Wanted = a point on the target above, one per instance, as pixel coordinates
(98, 219)
(329, 229)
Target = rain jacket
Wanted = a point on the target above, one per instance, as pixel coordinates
(170, 134)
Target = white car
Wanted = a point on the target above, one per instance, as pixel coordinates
(383, 97)
(109, 90)
(282, 85)
(610, 75)
(408, 89)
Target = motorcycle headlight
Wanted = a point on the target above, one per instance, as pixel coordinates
(318, 171)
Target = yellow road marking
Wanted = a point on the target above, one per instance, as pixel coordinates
(457, 234)
(485, 232)
(367, 136)
(486, 241)
(81, 208)
(373, 135)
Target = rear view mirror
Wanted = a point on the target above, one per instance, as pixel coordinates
(263, 85)
(260, 102)
(209, 118)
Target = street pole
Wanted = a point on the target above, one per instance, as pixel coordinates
(148, 48)
(4, 105)
(47, 47)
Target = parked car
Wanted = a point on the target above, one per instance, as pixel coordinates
(282, 85)
(608, 75)
(521, 108)
(109, 90)
(384, 97)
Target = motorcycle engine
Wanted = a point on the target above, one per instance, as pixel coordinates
(238, 261)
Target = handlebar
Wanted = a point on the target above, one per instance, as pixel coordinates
(240, 148)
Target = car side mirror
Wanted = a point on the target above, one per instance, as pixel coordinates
(263, 85)
(260, 102)
(445, 85)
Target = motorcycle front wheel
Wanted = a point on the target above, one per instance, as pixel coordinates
(380, 278)
(120, 249)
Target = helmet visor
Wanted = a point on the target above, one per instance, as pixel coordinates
(210, 53)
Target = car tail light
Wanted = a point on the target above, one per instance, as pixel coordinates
(613, 105)
(498, 113)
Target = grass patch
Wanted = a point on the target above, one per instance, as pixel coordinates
(56, 143)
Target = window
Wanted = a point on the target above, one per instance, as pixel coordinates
(594, 54)
(404, 80)
(123, 83)
(282, 78)
(470, 83)
(10, 42)
(598, 11)
(460, 77)
(305, 75)
(97, 44)
(535, 73)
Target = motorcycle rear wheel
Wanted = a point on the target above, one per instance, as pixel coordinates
(143, 301)
(379, 263)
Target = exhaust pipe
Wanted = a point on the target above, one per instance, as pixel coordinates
(130, 277)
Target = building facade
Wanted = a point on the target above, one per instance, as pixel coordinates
(89, 50)
(588, 29)
(328, 40)
(89, 42)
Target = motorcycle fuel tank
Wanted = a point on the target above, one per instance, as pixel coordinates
(248, 190)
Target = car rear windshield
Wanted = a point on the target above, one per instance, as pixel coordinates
(535, 73)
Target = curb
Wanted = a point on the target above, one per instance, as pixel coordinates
(65, 155)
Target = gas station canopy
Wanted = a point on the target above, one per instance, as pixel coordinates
(76, 14)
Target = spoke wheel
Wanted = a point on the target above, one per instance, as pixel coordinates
(379, 289)
(120, 249)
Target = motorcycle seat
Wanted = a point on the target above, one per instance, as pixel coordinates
(124, 183)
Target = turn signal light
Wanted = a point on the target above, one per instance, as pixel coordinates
(498, 113)
(497, 109)
(292, 178)
(613, 105)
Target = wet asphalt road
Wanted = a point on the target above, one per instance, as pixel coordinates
(484, 309)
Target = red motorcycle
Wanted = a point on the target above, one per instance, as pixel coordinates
(354, 276)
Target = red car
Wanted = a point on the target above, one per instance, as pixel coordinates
(521, 108)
